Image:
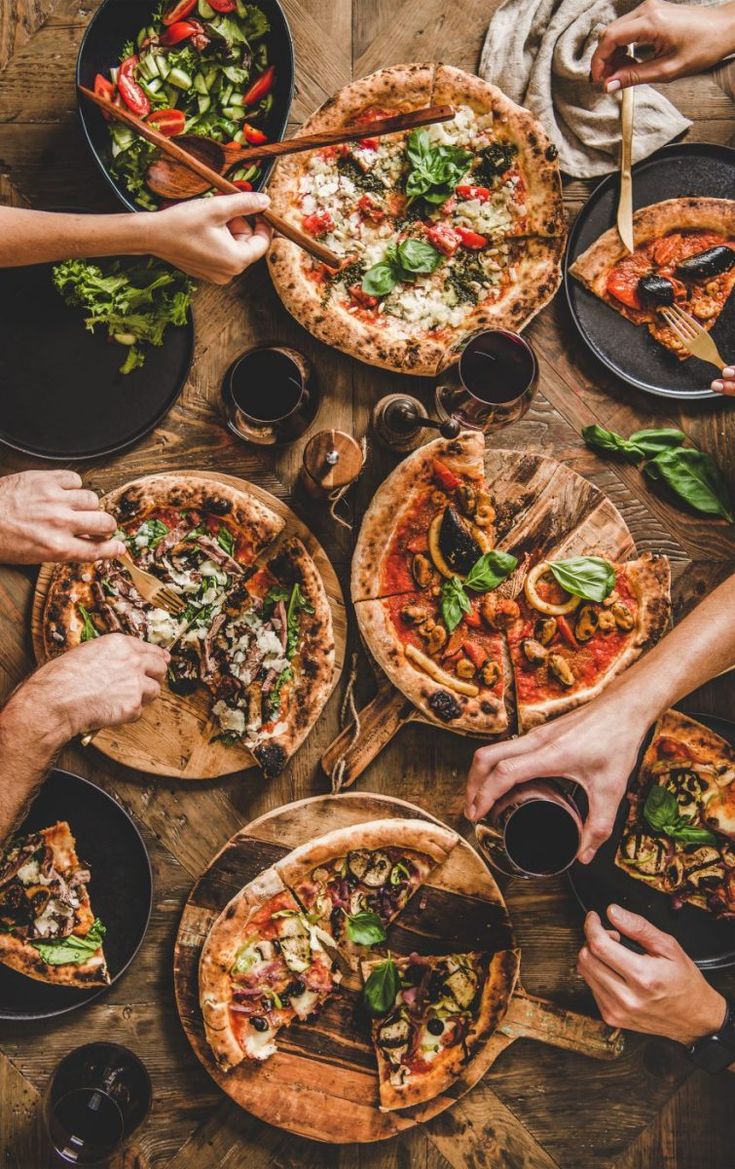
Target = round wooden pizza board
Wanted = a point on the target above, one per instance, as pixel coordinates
(322, 1083)
(543, 508)
(173, 736)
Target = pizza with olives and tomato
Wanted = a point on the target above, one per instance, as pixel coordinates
(679, 835)
(256, 631)
(684, 254)
(443, 229)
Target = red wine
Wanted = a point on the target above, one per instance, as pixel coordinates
(497, 367)
(266, 385)
(541, 837)
(86, 1126)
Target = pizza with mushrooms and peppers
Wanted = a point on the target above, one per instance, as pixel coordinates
(445, 229)
(684, 254)
(466, 630)
(257, 627)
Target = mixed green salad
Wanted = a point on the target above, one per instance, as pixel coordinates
(200, 67)
(135, 301)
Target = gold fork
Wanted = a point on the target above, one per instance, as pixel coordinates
(695, 339)
(151, 588)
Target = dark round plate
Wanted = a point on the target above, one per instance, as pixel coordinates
(121, 889)
(118, 21)
(628, 350)
(708, 940)
(63, 396)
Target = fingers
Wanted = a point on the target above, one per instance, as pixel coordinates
(83, 500)
(651, 939)
(608, 950)
(597, 975)
(150, 691)
(620, 33)
(93, 523)
(228, 207)
(725, 384)
(86, 550)
(491, 771)
(597, 828)
(661, 68)
(252, 248)
(155, 665)
(67, 479)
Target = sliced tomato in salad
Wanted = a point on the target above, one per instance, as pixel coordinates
(168, 122)
(253, 135)
(181, 31)
(261, 87)
(243, 184)
(178, 11)
(223, 5)
(133, 96)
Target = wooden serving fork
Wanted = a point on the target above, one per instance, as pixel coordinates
(695, 339)
(151, 588)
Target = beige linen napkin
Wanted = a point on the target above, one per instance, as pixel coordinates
(539, 53)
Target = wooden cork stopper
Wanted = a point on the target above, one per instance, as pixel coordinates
(332, 460)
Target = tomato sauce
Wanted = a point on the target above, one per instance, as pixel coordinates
(409, 538)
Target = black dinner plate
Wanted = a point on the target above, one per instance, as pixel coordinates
(708, 940)
(119, 21)
(121, 889)
(628, 350)
(62, 395)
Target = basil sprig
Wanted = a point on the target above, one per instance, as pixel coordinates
(401, 262)
(589, 577)
(226, 540)
(692, 475)
(662, 813)
(365, 928)
(72, 950)
(435, 169)
(487, 573)
(382, 986)
(151, 532)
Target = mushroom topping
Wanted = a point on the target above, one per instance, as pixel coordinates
(466, 499)
(624, 619)
(561, 670)
(437, 639)
(393, 1038)
(551, 608)
(465, 668)
(320, 874)
(412, 614)
(533, 651)
(490, 673)
(421, 570)
(605, 621)
(544, 630)
(378, 870)
(462, 985)
(587, 623)
(358, 862)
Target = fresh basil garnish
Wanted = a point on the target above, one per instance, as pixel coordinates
(401, 262)
(661, 811)
(695, 477)
(454, 602)
(365, 928)
(380, 279)
(382, 986)
(72, 950)
(589, 577)
(435, 169)
(89, 631)
(487, 573)
(641, 444)
(226, 540)
(150, 533)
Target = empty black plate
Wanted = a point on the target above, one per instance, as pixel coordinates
(628, 350)
(121, 889)
(62, 395)
(710, 941)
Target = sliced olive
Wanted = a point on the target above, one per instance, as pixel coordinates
(358, 862)
(259, 1023)
(378, 870)
(561, 670)
(587, 623)
(655, 290)
(533, 651)
(712, 262)
(435, 1026)
(422, 570)
(544, 630)
(457, 545)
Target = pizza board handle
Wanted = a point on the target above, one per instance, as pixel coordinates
(359, 743)
(534, 1018)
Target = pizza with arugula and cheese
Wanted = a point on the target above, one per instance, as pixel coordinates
(444, 229)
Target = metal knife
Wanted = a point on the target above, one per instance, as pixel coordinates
(625, 199)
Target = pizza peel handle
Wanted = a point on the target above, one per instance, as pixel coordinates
(534, 1018)
(349, 754)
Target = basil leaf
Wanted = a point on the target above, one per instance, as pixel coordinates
(380, 279)
(454, 602)
(692, 834)
(489, 571)
(150, 533)
(589, 577)
(416, 255)
(89, 631)
(382, 986)
(435, 170)
(72, 950)
(226, 540)
(650, 442)
(695, 477)
(610, 442)
(660, 809)
(365, 928)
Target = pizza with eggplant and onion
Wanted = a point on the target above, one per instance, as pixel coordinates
(442, 230)
(256, 631)
(684, 255)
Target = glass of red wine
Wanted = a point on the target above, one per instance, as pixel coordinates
(270, 395)
(98, 1095)
(533, 831)
(490, 383)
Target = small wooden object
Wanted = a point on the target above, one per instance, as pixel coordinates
(332, 461)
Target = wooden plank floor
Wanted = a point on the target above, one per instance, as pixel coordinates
(539, 1108)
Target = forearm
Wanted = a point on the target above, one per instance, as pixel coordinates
(38, 237)
(30, 739)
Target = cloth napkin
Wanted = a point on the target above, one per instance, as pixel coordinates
(539, 52)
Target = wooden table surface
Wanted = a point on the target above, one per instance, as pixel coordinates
(539, 1108)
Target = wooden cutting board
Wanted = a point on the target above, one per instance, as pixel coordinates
(322, 1083)
(173, 736)
(544, 509)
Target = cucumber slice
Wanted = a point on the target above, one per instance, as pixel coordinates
(121, 135)
(233, 112)
(151, 65)
(231, 129)
(180, 78)
(235, 73)
(237, 99)
(204, 101)
(210, 77)
(162, 65)
(205, 10)
(200, 83)
(153, 85)
(225, 94)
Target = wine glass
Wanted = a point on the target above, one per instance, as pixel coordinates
(270, 395)
(490, 382)
(532, 831)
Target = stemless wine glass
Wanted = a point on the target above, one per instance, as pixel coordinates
(532, 831)
(270, 395)
(490, 380)
(98, 1095)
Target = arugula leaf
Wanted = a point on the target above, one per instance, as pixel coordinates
(226, 540)
(89, 631)
(108, 589)
(273, 698)
(150, 533)
(382, 986)
(297, 604)
(486, 573)
(589, 577)
(72, 950)
(454, 602)
(365, 928)
(662, 813)
(695, 477)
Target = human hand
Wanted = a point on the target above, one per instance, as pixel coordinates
(100, 683)
(210, 238)
(659, 992)
(685, 39)
(725, 384)
(595, 746)
(45, 514)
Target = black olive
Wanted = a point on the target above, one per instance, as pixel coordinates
(295, 988)
(713, 262)
(458, 547)
(435, 1026)
(445, 705)
(655, 290)
(259, 1023)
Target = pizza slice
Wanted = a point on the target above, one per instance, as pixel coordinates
(47, 928)
(431, 1015)
(264, 964)
(679, 835)
(355, 881)
(565, 650)
(684, 254)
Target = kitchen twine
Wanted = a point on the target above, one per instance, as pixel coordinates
(348, 707)
(339, 493)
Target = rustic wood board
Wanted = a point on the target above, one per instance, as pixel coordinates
(322, 1083)
(173, 735)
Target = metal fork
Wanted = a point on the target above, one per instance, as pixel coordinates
(692, 335)
(151, 588)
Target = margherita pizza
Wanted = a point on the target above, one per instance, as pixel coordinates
(47, 928)
(443, 229)
(257, 635)
(679, 835)
(684, 254)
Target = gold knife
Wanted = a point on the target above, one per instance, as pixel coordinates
(625, 199)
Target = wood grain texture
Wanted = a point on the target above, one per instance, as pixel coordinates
(539, 1107)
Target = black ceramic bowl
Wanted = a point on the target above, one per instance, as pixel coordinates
(118, 21)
